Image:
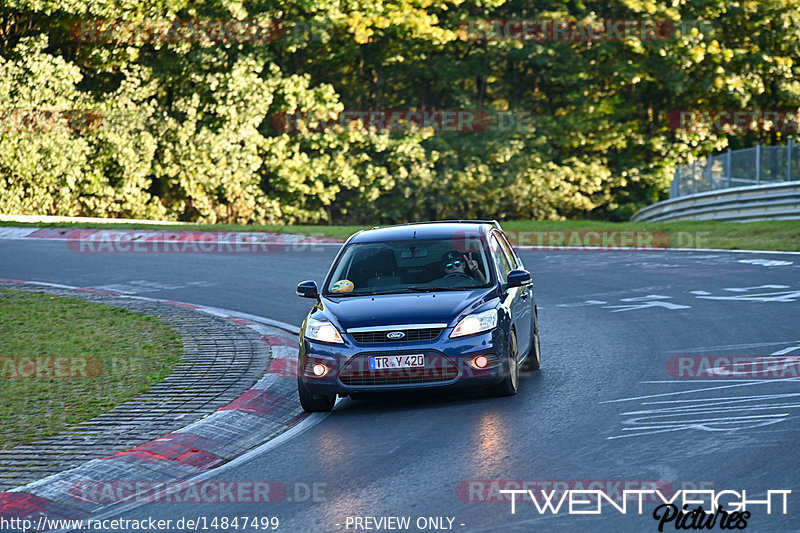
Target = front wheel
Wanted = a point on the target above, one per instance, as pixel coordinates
(314, 403)
(510, 383)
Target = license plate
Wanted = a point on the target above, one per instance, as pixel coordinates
(388, 362)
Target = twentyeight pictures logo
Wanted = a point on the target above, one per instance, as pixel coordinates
(693, 508)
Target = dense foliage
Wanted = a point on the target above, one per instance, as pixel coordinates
(188, 127)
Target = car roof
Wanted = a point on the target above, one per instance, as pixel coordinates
(425, 230)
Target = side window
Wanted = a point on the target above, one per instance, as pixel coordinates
(512, 257)
(499, 257)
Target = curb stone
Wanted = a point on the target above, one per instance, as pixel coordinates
(233, 414)
(180, 241)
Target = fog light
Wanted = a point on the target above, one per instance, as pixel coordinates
(480, 361)
(320, 370)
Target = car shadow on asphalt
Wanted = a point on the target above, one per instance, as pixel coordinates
(383, 402)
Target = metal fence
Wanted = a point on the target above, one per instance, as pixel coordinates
(738, 168)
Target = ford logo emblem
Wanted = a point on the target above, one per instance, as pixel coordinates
(395, 335)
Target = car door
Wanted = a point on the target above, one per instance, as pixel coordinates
(519, 298)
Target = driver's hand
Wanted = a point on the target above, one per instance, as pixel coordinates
(471, 263)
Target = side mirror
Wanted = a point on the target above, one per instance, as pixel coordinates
(308, 289)
(518, 278)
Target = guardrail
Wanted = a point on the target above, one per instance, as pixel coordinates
(778, 201)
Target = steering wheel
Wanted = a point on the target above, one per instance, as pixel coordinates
(454, 274)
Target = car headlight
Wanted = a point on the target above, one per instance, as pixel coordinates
(475, 323)
(322, 330)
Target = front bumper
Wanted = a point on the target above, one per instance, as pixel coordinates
(447, 364)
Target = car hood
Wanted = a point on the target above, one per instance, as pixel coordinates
(397, 309)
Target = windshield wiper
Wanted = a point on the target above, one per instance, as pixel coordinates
(436, 289)
(413, 289)
(401, 290)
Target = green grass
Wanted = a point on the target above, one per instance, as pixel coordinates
(111, 355)
(767, 235)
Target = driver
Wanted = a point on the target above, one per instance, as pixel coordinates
(457, 263)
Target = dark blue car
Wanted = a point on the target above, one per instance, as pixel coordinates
(417, 306)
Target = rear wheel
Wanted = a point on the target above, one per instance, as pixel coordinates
(314, 403)
(534, 359)
(510, 383)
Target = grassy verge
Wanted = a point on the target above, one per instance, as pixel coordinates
(767, 235)
(64, 361)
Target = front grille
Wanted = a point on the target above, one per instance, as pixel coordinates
(427, 334)
(356, 371)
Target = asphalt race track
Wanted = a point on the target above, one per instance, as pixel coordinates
(633, 389)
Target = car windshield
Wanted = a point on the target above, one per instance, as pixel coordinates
(416, 265)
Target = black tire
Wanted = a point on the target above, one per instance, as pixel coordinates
(534, 359)
(510, 383)
(314, 403)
